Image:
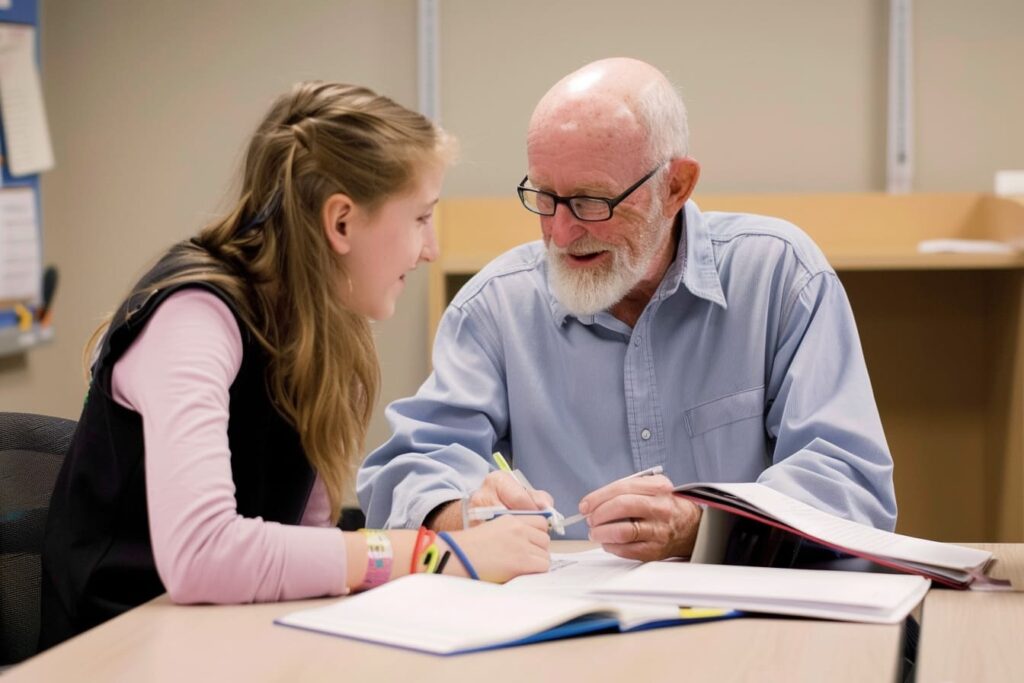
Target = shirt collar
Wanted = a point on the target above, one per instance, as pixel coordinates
(694, 266)
(698, 268)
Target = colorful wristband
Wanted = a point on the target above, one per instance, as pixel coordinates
(444, 561)
(425, 540)
(430, 558)
(378, 558)
(446, 537)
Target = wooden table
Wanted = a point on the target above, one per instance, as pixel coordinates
(163, 642)
(974, 636)
(160, 641)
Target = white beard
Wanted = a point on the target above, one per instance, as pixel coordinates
(586, 291)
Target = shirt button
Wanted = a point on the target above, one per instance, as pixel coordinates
(645, 434)
(636, 341)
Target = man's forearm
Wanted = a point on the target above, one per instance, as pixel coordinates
(445, 517)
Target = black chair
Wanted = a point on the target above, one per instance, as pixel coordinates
(352, 519)
(32, 449)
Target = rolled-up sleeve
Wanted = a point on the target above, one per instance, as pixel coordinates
(830, 449)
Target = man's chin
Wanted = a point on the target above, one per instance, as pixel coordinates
(583, 298)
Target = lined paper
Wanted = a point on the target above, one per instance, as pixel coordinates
(20, 252)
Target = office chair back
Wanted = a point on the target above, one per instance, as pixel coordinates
(32, 448)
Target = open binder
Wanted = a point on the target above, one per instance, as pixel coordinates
(944, 563)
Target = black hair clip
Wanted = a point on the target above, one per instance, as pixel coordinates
(265, 213)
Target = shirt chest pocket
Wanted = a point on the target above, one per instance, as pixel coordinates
(728, 437)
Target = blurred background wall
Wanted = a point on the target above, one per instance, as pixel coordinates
(150, 103)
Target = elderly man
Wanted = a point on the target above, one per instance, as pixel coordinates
(641, 332)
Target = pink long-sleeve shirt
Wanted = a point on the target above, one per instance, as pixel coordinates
(176, 375)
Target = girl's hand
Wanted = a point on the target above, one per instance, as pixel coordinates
(503, 548)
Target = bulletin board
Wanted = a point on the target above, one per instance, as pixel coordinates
(25, 152)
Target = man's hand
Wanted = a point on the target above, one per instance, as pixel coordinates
(501, 488)
(641, 519)
(497, 489)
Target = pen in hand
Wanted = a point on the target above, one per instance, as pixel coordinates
(555, 517)
(502, 464)
(650, 471)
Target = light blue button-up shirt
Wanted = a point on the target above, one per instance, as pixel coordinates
(744, 366)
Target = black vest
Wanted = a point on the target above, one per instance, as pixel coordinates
(97, 555)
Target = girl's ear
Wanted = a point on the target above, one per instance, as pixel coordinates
(336, 215)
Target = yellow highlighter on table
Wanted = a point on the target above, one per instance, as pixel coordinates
(555, 518)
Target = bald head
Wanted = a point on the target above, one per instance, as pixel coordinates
(622, 102)
(618, 79)
(615, 131)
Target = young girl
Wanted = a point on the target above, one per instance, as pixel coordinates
(231, 393)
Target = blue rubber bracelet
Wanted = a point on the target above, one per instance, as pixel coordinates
(447, 538)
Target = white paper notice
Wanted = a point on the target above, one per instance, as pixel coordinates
(21, 103)
(20, 254)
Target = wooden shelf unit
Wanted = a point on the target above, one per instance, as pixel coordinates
(942, 333)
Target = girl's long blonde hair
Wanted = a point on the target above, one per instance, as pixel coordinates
(271, 256)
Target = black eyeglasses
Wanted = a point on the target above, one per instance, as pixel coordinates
(583, 207)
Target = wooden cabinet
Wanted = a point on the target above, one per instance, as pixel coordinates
(942, 334)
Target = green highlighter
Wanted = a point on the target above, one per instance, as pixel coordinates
(555, 518)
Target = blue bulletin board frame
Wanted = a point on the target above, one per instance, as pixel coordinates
(13, 339)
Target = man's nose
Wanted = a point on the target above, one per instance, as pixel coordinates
(563, 228)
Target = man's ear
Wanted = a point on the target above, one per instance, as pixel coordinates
(683, 173)
(336, 216)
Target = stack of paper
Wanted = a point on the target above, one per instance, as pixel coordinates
(843, 596)
(839, 595)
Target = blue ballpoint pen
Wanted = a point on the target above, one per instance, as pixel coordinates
(487, 513)
(555, 518)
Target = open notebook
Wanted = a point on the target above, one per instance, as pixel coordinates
(448, 615)
(945, 563)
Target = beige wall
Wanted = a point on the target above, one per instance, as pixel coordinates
(150, 102)
(970, 101)
(782, 95)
